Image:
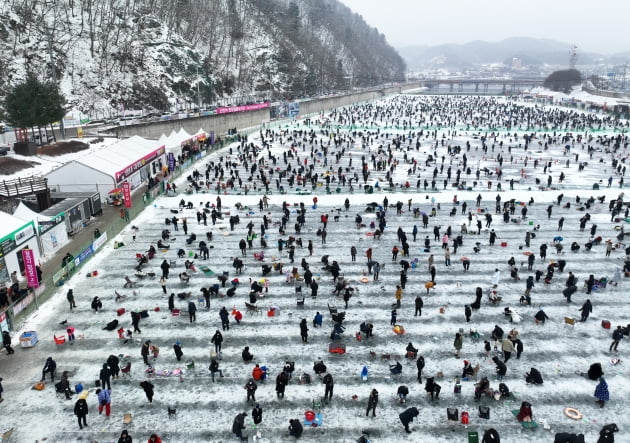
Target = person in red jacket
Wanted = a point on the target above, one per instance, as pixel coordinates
(154, 439)
(258, 374)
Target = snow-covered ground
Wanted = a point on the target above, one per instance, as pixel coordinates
(205, 410)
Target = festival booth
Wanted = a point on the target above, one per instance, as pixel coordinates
(74, 212)
(52, 230)
(16, 235)
(132, 160)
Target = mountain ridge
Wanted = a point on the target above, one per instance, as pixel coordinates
(123, 54)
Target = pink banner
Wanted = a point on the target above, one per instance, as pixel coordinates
(126, 187)
(28, 256)
(228, 109)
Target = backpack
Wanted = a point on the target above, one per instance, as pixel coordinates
(305, 379)
(484, 412)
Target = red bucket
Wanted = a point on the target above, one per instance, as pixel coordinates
(465, 418)
(309, 415)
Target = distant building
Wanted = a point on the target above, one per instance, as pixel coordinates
(517, 64)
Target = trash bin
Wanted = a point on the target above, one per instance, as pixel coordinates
(473, 437)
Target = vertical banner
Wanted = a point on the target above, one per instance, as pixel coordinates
(212, 138)
(126, 187)
(171, 161)
(28, 256)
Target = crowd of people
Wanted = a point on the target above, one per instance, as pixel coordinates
(403, 143)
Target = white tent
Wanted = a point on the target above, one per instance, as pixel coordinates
(106, 169)
(175, 141)
(200, 134)
(52, 235)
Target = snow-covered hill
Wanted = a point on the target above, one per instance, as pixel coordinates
(118, 55)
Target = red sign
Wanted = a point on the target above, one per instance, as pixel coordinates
(243, 108)
(129, 170)
(30, 269)
(126, 187)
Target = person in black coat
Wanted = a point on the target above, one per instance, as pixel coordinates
(177, 347)
(125, 437)
(225, 319)
(147, 386)
(144, 352)
(257, 414)
(214, 368)
(304, 330)
(566, 437)
(105, 377)
(541, 317)
(595, 371)
(192, 311)
(171, 302)
(281, 383)
(81, 411)
(420, 367)
(96, 304)
(372, 403)
(468, 370)
(501, 368)
(402, 392)
(467, 313)
(330, 384)
(534, 377)
(407, 416)
(114, 365)
(6, 341)
(319, 367)
(247, 356)
(135, 321)
(238, 425)
(217, 339)
(518, 345)
(165, 266)
(314, 287)
(586, 310)
(491, 436)
(49, 366)
(497, 333)
(433, 388)
(251, 387)
(295, 428)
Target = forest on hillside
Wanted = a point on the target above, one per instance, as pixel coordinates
(129, 54)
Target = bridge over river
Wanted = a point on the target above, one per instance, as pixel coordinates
(484, 86)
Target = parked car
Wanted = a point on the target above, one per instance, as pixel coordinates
(4, 149)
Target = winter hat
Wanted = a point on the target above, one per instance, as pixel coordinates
(466, 362)
(178, 343)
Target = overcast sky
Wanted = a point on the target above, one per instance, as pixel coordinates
(593, 26)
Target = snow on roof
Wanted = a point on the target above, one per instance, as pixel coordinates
(118, 156)
(27, 214)
(10, 223)
(175, 139)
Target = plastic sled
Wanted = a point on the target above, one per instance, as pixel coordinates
(206, 270)
(337, 348)
(318, 420)
(525, 424)
(6, 435)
